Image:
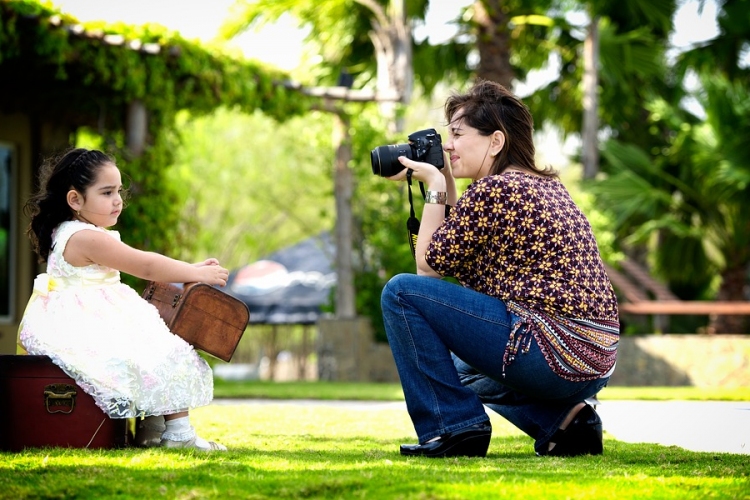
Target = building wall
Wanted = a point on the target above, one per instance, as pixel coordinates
(16, 130)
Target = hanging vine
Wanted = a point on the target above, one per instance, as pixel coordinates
(84, 76)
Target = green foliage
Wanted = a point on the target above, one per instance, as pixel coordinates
(690, 204)
(599, 217)
(87, 78)
(250, 187)
(380, 213)
(254, 185)
(340, 39)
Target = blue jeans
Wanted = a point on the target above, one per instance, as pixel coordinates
(448, 343)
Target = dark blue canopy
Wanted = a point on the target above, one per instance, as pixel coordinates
(290, 285)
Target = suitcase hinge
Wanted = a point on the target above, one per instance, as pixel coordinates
(150, 293)
(59, 397)
(176, 299)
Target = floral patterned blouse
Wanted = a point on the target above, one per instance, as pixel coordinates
(521, 238)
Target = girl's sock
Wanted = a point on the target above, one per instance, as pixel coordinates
(179, 429)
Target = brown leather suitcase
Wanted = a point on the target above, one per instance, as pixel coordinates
(205, 317)
(40, 406)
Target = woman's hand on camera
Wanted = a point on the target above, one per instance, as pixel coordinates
(421, 171)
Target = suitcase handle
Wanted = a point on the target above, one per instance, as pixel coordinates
(60, 395)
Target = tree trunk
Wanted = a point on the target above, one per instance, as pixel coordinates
(733, 283)
(493, 43)
(591, 101)
(344, 188)
(391, 37)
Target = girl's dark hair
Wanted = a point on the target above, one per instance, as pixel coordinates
(488, 106)
(75, 169)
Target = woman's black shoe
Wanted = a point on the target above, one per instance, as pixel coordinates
(583, 436)
(471, 441)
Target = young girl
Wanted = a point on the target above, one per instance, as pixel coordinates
(98, 330)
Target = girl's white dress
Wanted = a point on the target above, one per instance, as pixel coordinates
(109, 340)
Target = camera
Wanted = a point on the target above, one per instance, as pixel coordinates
(424, 146)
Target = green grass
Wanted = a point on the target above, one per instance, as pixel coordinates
(280, 451)
(392, 392)
(352, 452)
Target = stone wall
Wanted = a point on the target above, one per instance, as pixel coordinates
(347, 352)
(687, 360)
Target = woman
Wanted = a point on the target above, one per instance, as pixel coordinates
(533, 330)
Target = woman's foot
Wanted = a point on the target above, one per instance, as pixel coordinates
(582, 435)
(471, 441)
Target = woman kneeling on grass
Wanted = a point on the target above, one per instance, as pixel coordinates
(533, 331)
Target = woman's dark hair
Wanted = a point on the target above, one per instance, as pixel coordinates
(488, 106)
(75, 169)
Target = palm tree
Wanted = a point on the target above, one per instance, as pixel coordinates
(693, 206)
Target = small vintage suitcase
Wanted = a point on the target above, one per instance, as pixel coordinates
(207, 318)
(42, 407)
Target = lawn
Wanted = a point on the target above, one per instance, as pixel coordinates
(392, 392)
(282, 451)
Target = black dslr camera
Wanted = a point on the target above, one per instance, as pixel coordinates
(424, 146)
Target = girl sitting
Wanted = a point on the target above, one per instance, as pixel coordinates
(98, 330)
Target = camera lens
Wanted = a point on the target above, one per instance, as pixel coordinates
(384, 159)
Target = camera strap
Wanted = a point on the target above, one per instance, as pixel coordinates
(412, 224)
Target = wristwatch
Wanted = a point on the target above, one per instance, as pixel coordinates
(439, 197)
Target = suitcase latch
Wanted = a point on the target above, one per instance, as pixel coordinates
(60, 398)
(150, 293)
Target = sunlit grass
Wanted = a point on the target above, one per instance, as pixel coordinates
(392, 392)
(279, 450)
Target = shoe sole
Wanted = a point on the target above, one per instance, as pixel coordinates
(475, 446)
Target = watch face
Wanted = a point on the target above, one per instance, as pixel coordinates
(439, 197)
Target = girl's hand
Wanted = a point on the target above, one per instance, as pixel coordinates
(207, 262)
(213, 274)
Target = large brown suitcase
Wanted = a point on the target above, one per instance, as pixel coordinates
(205, 317)
(40, 406)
